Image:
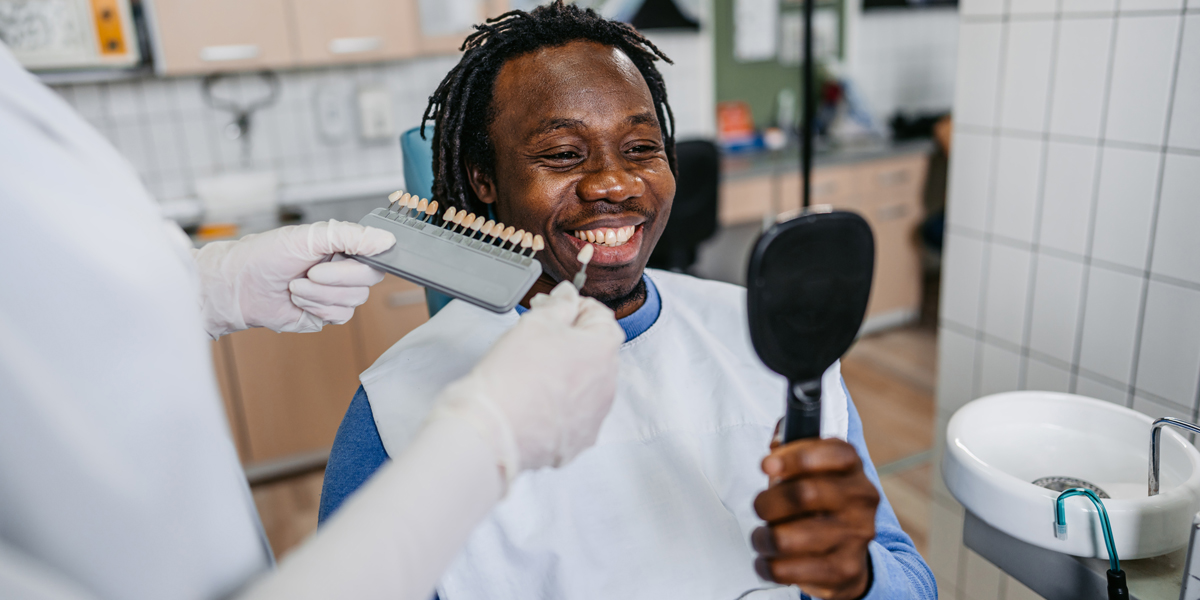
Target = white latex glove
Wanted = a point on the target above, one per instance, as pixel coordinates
(288, 279)
(539, 395)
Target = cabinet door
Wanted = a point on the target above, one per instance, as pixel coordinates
(225, 371)
(894, 208)
(394, 308)
(201, 36)
(336, 31)
(294, 387)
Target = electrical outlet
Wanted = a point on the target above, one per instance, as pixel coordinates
(375, 117)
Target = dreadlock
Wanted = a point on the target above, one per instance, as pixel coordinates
(461, 107)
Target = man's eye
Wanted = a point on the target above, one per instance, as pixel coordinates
(643, 149)
(562, 156)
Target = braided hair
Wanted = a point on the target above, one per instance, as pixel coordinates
(461, 108)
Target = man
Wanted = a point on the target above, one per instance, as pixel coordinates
(557, 122)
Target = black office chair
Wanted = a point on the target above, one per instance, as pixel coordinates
(694, 214)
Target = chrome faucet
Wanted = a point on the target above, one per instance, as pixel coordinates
(1155, 437)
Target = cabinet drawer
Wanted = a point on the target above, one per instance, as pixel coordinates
(353, 30)
(744, 200)
(204, 36)
(897, 179)
(394, 308)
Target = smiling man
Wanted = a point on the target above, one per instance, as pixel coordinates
(557, 122)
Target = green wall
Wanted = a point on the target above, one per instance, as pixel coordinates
(757, 83)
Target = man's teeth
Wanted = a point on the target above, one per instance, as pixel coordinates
(607, 236)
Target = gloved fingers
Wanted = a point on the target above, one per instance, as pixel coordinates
(329, 295)
(344, 272)
(558, 307)
(331, 237)
(597, 318)
(334, 315)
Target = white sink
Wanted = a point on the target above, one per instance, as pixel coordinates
(997, 445)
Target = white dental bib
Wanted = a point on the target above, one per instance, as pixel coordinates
(662, 505)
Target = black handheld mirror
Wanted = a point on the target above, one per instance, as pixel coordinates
(807, 289)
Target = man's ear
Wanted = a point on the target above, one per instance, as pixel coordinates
(481, 184)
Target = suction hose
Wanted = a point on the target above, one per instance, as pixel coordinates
(1117, 588)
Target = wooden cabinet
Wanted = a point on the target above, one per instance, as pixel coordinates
(286, 393)
(886, 192)
(354, 30)
(203, 36)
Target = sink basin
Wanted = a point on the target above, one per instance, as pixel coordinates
(997, 445)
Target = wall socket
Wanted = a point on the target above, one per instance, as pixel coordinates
(376, 119)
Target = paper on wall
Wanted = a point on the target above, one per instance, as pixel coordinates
(754, 29)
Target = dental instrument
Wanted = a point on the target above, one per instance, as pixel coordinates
(460, 254)
(585, 257)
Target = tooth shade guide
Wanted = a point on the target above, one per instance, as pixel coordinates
(448, 218)
(508, 233)
(526, 241)
(585, 255)
(432, 211)
(458, 219)
(539, 243)
(394, 196)
(422, 206)
(515, 239)
(486, 230)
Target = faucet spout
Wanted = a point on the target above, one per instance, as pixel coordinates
(1156, 447)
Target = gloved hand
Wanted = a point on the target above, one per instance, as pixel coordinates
(539, 395)
(288, 279)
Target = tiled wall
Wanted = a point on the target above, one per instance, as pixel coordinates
(904, 59)
(164, 127)
(1073, 259)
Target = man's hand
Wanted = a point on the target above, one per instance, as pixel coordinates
(288, 279)
(820, 514)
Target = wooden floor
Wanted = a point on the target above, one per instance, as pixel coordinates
(891, 377)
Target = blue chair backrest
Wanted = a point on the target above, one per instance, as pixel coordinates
(418, 179)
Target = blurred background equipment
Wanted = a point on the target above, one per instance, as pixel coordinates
(70, 34)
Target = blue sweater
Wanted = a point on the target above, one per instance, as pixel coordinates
(898, 570)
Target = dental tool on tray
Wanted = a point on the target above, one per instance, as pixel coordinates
(585, 257)
(469, 257)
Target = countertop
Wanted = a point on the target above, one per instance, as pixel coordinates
(752, 164)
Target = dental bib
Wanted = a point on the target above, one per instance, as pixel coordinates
(662, 505)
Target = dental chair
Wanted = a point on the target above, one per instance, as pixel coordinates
(694, 213)
(418, 179)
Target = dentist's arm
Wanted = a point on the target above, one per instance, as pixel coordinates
(288, 279)
(537, 399)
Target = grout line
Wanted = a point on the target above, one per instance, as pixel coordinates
(1039, 200)
(1162, 167)
(989, 210)
(1077, 351)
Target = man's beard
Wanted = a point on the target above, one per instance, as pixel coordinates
(635, 296)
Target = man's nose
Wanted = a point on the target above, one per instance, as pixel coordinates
(611, 180)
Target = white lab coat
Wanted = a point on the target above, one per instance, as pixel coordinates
(662, 505)
(115, 458)
(118, 475)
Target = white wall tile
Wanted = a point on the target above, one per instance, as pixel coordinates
(1185, 119)
(977, 75)
(124, 100)
(1169, 363)
(1086, 386)
(1067, 196)
(962, 280)
(970, 180)
(1032, 7)
(1141, 78)
(1007, 293)
(1156, 409)
(981, 7)
(1056, 292)
(1177, 239)
(196, 140)
(1081, 69)
(1046, 377)
(1131, 5)
(1125, 206)
(1074, 7)
(157, 97)
(1110, 323)
(90, 102)
(1027, 73)
(956, 369)
(1018, 169)
(1000, 370)
(166, 144)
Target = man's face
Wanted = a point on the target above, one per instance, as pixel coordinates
(579, 149)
